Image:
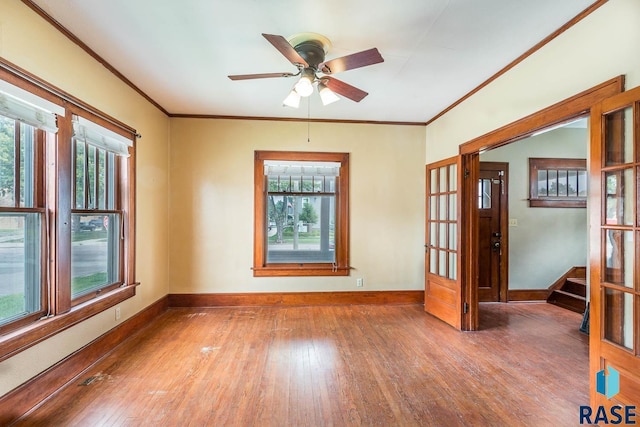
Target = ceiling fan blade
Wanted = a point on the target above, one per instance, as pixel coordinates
(259, 76)
(344, 89)
(285, 48)
(349, 62)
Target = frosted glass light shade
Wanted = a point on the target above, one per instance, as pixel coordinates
(304, 87)
(292, 100)
(327, 95)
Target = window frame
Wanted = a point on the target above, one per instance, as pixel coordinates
(55, 198)
(38, 207)
(261, 268)
(558, 164)
(94, 209)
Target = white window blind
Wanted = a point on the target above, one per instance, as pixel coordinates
(101, 137)
(292, 168)
(26, 107)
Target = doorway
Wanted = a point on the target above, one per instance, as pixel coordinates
(557, 114)
(493, 241)
(545, 235)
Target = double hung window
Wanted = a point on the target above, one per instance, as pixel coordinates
(301, 217)
(67, 199)
(97, 244)
(22, 294)
(25, 123)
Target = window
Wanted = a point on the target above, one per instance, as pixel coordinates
(484, 193)
(301, 214)
(96, 218)
(558, 183)
(21, 222)
(67, 217)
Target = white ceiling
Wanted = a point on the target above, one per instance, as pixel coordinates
(435, 51)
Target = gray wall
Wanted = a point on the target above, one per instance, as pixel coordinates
(546, 241)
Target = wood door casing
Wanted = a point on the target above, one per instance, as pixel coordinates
(492, 231)
(614, 246)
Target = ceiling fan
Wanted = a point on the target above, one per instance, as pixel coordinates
(306, 51)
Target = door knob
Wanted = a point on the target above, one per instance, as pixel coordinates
(496, 246)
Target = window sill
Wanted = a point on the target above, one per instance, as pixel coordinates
(557, 203)
(21, 339)
(281, 270)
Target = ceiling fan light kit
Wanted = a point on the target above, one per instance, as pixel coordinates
(304, 86)
(306, 51)
(292, 100)
(327, 96)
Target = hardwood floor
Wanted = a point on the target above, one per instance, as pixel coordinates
(334, 366)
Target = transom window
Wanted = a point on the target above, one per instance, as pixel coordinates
(301, 214)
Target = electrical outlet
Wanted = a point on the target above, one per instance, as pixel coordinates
(118, 314)
(513, 222)
(359, 282)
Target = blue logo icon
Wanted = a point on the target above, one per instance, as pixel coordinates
(608, 385)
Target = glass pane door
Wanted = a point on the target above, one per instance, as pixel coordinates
(442, 297)
(615, 283)
(619, 228)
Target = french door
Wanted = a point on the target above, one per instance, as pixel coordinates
(615, 249)
(443, 296)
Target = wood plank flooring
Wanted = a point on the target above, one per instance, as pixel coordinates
(334, 366)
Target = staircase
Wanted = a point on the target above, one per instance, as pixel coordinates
(570, 291)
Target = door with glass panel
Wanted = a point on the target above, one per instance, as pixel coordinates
(615, 250)
(492, 232)
(442, 297)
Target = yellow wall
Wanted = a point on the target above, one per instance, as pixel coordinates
(600, 47)
(211, 203)
(34, 45)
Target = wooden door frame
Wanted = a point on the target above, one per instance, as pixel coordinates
(564, 111)
(504, 230)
